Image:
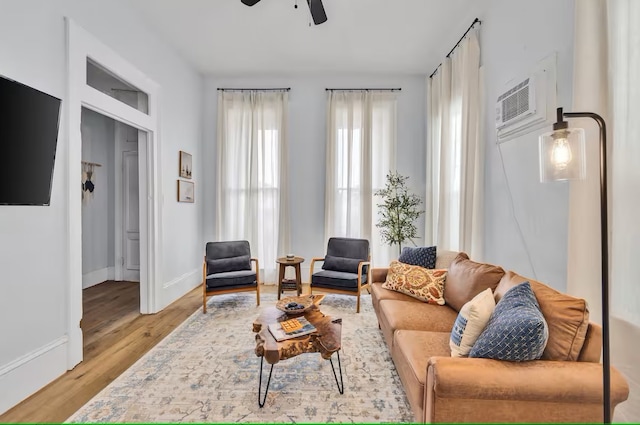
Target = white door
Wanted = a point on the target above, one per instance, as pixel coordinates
(131, 214)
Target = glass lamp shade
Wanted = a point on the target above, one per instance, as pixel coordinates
(562, 155)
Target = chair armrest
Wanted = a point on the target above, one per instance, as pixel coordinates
(379, 274)
(255, 260)
(361, 265)
(313, 261)
(539, 380)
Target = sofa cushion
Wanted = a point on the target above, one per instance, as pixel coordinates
(423, 256)
(411, 315)
(378, 293)
(566, 316)
(415, 281)
(516, 331)
(445, 258)
(230, 264)
(466, 279)
(470, 323)
(411, 352)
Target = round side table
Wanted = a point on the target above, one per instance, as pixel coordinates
(284, 262)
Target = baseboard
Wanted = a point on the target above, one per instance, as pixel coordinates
(98, 276)
(179, 286)
(29, 373)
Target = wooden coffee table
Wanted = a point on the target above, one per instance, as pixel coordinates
(326, 341)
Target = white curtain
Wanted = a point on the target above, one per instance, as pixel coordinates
(252, 190)
(590, 94)
(361, 146)
(624, 54)
(455, 152)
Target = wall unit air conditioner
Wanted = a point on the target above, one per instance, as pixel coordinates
(527, 103)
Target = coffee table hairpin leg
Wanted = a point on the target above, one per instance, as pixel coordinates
(341, 383)
(266, 391)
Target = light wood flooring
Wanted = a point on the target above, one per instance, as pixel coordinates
(115, 336)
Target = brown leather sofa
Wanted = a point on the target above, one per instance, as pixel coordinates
(441, 388)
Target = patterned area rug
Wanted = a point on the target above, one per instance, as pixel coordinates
(206, 371)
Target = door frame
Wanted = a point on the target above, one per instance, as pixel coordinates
(80, 46)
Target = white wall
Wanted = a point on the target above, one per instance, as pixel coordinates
(307, 140)
(98, 218)
(514, 37)
(33, 241)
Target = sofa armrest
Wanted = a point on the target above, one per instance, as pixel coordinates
(539, 380)
(533, 380)
(379, 274)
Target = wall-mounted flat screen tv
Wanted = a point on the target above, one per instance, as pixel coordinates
(29, 121)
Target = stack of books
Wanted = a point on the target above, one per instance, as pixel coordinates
(291, 328)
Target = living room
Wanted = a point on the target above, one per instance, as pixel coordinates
(536, 229)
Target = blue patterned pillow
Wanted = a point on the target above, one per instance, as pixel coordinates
(516, 330)
(423, 256)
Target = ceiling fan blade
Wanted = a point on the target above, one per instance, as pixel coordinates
(249, 2)
(317, 11)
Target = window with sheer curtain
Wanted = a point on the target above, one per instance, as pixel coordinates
(361, 145)
(251, 185)
(454, 152)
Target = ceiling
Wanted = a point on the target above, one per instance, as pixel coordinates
(225, 37)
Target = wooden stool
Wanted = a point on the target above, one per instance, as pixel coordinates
(284, 263)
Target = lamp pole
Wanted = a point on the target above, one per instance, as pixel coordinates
(604, 244)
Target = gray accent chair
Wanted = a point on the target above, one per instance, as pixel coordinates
(227, 268)
(346, 268)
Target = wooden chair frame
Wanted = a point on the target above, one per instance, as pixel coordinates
(360, 286)
(210, 292)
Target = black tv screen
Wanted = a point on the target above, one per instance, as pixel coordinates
(29, 121)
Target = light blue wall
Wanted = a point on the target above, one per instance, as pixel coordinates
(514, 37)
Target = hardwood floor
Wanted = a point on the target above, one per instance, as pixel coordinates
(115, 336)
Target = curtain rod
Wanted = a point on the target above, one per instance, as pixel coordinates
(366, 89)
(234, 89)
(475, 21)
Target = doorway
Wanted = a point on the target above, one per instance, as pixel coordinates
(110, 225)
(84, 50)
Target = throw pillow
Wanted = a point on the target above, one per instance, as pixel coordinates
(341, 264)
(424, 284)
(231, 264)
(516, 331)
(566, 316)
(423, 256)
(466, 279)
(470, 323)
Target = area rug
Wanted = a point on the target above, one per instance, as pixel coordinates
(206, 371)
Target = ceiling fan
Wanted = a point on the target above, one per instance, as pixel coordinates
(315, 7)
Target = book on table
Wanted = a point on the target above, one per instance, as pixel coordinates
(291, 328)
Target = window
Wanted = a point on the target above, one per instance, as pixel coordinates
(362, 140)
(251, 193)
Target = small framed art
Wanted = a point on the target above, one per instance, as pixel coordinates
(185, 165)
(186, 191)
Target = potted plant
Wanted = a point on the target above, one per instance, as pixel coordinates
(398, 211)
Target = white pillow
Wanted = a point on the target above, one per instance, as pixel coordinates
(470, 323)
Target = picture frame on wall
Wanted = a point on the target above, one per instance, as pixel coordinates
(186, 165)
(186, 191)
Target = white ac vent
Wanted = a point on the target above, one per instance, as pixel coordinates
(527, 103)
(516, 103)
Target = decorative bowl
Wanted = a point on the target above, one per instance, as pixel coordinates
(295, 305)
(290, 257)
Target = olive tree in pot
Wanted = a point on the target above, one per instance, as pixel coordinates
(398, 211)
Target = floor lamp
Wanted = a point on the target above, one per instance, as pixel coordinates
(562, 155)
